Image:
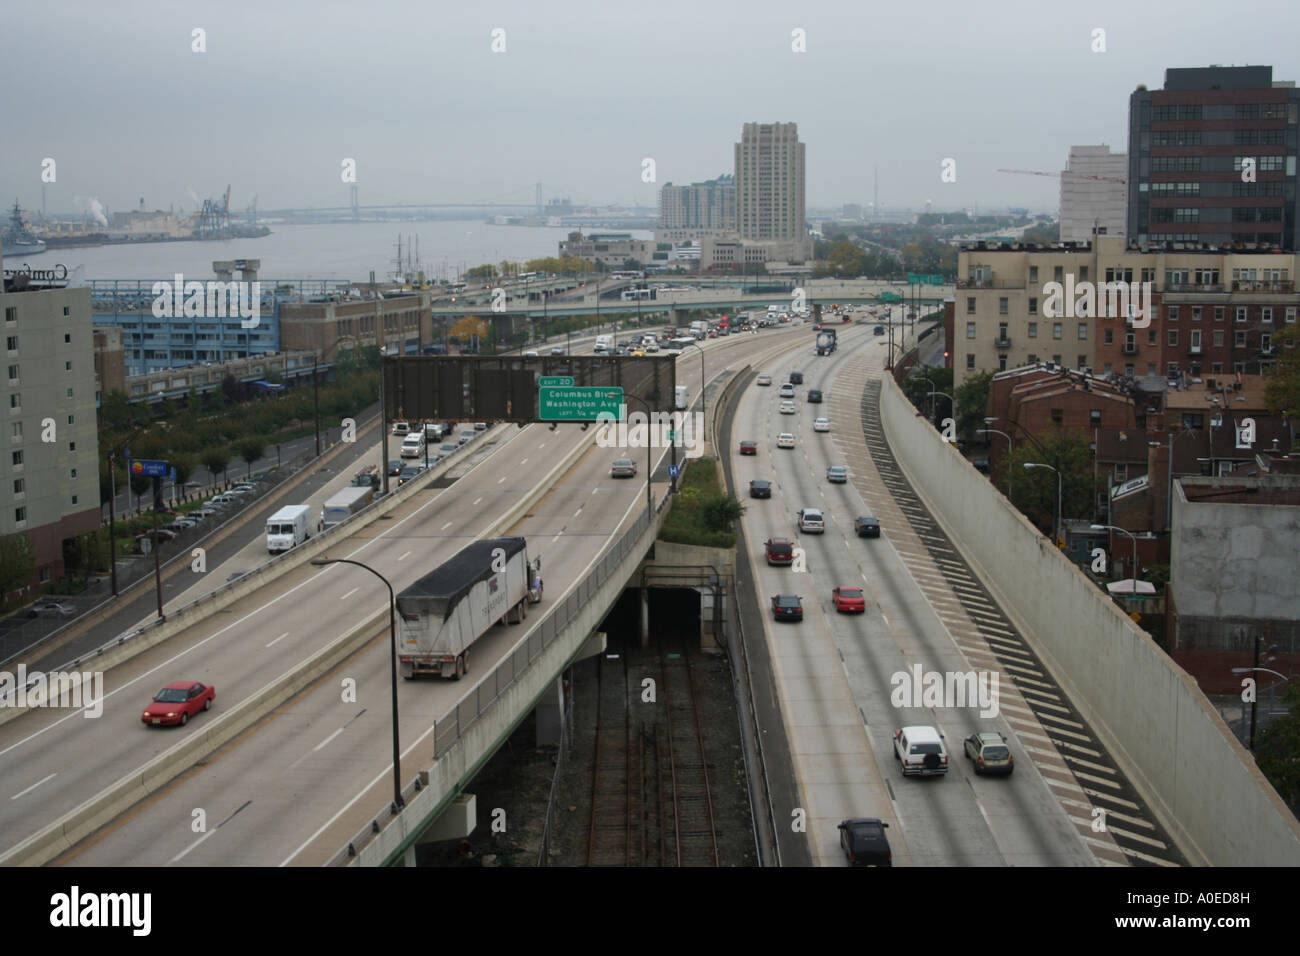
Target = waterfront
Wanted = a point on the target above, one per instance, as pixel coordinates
(319, 251)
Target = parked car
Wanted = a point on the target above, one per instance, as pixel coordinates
(623, 468)
(989, 753)
(849, 599)
(162, 534)
(760, 488)
(779, 550)
(50, 609)
(785, 440)
(865, 526)
(177, 703)
(530, 354)
(466, 436)
(749, 448)
(920, 750)
(811, 521)
(201, 513)
(764, 380)
(239, 491)
(223, 500)
(787, 607)
(837, 474)
(821, 424)
(864, 842)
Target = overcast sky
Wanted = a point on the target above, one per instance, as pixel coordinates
(583, 93)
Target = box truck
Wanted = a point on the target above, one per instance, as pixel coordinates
(603, 344)
(700, 329)
(680, 401)
(451, 607)
(288, 528)
(344, 505)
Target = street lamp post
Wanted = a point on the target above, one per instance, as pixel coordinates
(704, 405)
(1056, 466)
(994, 431)
(649, 453)
(1056, 523)
(1255, 698)
(1134, 575)
(397, 803)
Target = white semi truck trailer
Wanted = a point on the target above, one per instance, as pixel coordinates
(451, 607)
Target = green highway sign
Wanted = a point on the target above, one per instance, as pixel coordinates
(916, 278)
(578, 404)
(890, 297)
(555, 381)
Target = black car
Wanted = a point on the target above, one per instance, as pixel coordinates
(787, 607)
(866, 526)
(760, 488)
(879, 330)
(796, 378)
(864, 842)
(814, 396)
(395, 466)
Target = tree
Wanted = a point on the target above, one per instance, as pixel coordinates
(1276, 747)
(720, 513)
(1034, 489)
(468, 327)
(184, 464)
(17, 562)
(215, 459)
(972, 402)
(917, 387)
(481, 273)
(1282, 381)
(251, 449)
(116, 413)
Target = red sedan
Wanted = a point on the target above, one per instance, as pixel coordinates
(177, 703)
(749, 448)
(850, 600)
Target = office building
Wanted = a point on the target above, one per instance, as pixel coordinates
(1094, 193)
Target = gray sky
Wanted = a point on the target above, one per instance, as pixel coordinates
(583, 92)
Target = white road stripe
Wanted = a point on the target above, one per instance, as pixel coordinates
(404, 556)
(23, 793)
(193, 846)
(327, 740)
(280, 638)
(349, 594)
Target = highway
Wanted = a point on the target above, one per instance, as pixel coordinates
(834, 671)
(296, 786)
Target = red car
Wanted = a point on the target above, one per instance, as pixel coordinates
(749, 448)
(177, 703)
(849, 599)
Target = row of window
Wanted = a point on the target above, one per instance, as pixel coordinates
(1194, 339)
(1236, 137)
(1241, 314)
(17, 456)
(1172, 369)
(1058, 330)
(1199, 111)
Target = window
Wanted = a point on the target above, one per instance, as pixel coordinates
(1121, 473)
(1266, 342)
(1107, 368)
(20, 486)
(1238, 368)
(67, 338)
(20, 514)
(1056, 330)
(72, 473)
(1056, 359)
(1218, 313)
(1059, 273)
(1239, 340)
(67, 366)
(1058, 416)
(1266, 314)
(1002, 305)
(18, 458)
(1033, 307)
(1196, 313)
(1130, 342)
(970, 305)
(1172, 370)
(1173, 313)
(1290, 314)
(1128, 369)
(12, 343)
(1033, 359)
(1033, 330)
(1094, 416)
(1151, 368)
(1109, 336)
(1218, 338)
(1241, 313)
(70, 418)
(1216, 368)
(1082, 363)
(1083, 331)
(1173, 336)
(1002, 331)
(970, 330)
(74, 499)
(1033, 273)
(11, 313)
(13, 371)
(15, 400)
(16, 430)
(1151, 336)
(1002, 363)
(1083, 273)
(970, 362)
(1195, 342)
(72, 446)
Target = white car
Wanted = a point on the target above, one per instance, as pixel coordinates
(787, 390)
(787, 408)
(811, 521)
(821, 424)
(785, 440)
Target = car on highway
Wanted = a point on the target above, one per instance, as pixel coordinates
(480, 426)
(864, 842)
(50, 609)
(749, 448)
(989, 753)
(760, 488)
(821, 424)
(466, 436)
(787, 607)
(531, 354)
(447, 448)
(815, 396)
(408, 472)
(787, 407)
(623, 468)
(878, 330)
(811, 521)
(558, 350)
(787, 390)
(837, 474)
(401, 428)
(785, 440)
(921, 752)
(865, 526)
(764, 380)
(779, 550)
(179, 527)
(178, 702)
(796, 378)
(849, 599)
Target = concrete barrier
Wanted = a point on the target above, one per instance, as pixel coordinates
(73, 827)
(1161, 730)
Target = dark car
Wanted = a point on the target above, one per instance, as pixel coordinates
(409, 472)
(779, 551)
(787, 607)
(796, 378)
(749, 448)
(989, 753)
(879, 330)
(814, 396)
(395, 467)
(864, 842)
(760, 488)
(177, 703)
(866, 526)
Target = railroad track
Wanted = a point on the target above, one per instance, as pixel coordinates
(688, 835)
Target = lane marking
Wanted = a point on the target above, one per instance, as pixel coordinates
(476, 500)
(327, 740)
(23, 793)
(280, 638)
(404, 556)
(349, 594)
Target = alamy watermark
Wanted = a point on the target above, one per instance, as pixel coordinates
(211, 299)
(1132, 300)
(917, 688)
(660, 430)
(72, 689)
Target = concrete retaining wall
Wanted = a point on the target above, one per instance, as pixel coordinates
(1162, 731)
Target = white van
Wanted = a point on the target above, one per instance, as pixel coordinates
(603, 344)
(413, 445)
(680, 398)
(288, 528)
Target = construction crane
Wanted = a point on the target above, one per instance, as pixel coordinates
(1065, 175)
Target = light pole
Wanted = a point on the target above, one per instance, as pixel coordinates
(1056, 523)
(649, 452)
(1255, 697)
(994, 431)
(1169, 497)
(1055, 455)
(315, 386)
(704, 406)
(397, 803)
(1134, 575)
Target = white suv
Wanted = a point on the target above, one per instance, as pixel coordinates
(811, 521)
(921, 751)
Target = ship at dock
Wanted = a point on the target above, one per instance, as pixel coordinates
(18, 239)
